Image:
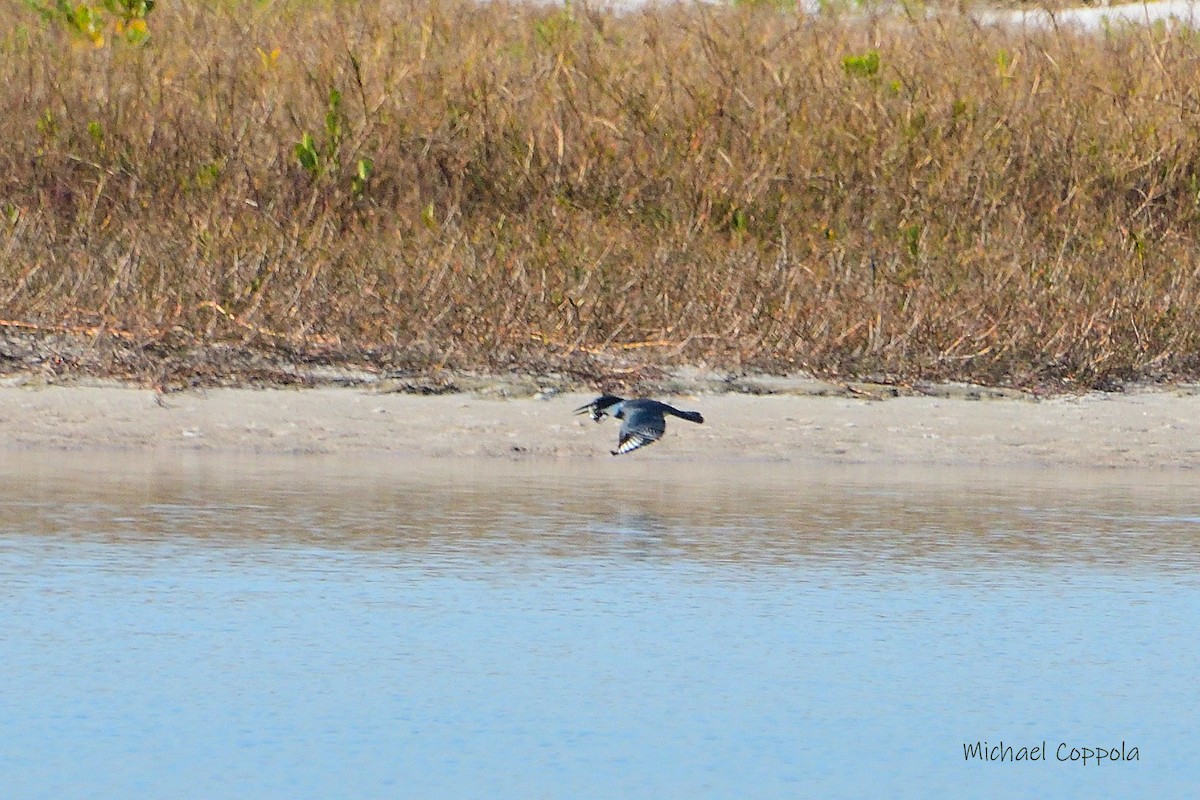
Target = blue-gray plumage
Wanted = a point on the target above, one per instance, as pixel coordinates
(643, 421)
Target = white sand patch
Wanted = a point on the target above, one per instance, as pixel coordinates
(1144, 429)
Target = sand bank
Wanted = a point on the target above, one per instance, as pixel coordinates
(1157, 429)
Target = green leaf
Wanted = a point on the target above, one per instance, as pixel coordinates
(307, 155)
(863, 66)
(96, 132)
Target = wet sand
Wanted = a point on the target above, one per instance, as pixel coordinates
(1154, 429)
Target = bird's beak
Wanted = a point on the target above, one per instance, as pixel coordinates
(585, 409)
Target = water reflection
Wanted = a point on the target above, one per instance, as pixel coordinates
(863, 519)
(199, 626)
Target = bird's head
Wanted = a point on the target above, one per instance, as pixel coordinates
(599, 407)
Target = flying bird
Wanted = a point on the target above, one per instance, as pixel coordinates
(643, 421)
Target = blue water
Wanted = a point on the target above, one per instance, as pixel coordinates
(298, 628)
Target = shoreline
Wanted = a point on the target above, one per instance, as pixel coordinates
(818, 424)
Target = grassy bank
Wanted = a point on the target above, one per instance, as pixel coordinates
(412, 185)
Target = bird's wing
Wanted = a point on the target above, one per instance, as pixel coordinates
(639, 428)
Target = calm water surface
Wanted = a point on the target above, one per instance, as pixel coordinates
(199, 627)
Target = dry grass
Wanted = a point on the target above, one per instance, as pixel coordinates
(737, 188)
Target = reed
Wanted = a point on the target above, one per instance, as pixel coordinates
(418, 184)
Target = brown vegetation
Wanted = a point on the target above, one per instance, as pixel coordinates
(412, 185)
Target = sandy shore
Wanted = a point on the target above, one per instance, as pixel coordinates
(1145, 429)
